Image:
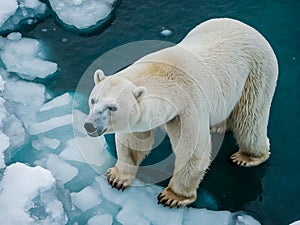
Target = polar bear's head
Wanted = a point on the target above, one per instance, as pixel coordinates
(114, 105)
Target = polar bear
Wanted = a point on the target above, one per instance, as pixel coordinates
(223, 71)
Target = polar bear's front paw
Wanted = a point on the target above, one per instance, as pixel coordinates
(118, 179)
(169, 198)
(242, 159)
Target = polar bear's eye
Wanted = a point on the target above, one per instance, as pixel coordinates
(92, 101)
(112, 107)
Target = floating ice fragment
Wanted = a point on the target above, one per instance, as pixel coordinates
(86, 199)
(103, 219)
(60, 168)
(166, 32)
(4, 144)
(45, 142)
(8, 8)
(2, 82)
(82, 14)
(16, 14)
(22, 56)
(71, 152)
(51, 124)
(296, 223)
(93, 150)
(25, 99)
(14, 36)
(59, 101)
(29, 195)
(241, 218)
(64, 40)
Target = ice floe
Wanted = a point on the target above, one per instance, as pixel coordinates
(24, 57)
(19, 14)
(31, 196)
(86, 198)
(82, 15)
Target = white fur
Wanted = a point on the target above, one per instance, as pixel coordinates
(222, 70)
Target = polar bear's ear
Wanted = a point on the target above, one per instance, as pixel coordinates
(98, 76)
(139, 92)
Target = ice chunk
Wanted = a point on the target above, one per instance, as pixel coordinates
(26, 93)
(8, 8)
(14, 129)
(82, 14)
(25, 98)
(241, 218)
(60, 168)
(11, 126)
(29, 195)
(71, 152)
(14, 36)
(16, 14)
(92, 150)
(2, 82)
(192, 216)
(45, 142)
(103, 219)
(4, 144)
(59, 101)
(51, 124)
(23, 57)
(296, 223)
(166, 32)
(138, 206)
(86, 199)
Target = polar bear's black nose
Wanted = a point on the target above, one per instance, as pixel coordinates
(89, 127)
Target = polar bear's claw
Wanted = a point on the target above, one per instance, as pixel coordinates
(118, 180)
(242, 159)
(169, 198)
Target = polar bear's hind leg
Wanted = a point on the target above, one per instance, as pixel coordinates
(249, 119)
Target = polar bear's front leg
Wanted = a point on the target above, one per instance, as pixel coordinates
(131, 150)
(190, 138)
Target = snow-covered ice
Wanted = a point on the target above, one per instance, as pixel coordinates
(15, 14)
(86, 198)
(23, 56)
(30, 195)
(82, 14)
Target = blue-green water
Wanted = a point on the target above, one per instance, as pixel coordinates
(270, 192)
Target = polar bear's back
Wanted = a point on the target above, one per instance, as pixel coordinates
(227, 35)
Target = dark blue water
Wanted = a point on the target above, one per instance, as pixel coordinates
(270, 192)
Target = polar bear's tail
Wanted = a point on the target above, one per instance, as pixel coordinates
(249, 119)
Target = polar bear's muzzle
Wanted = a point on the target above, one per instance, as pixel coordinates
(92, 130)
